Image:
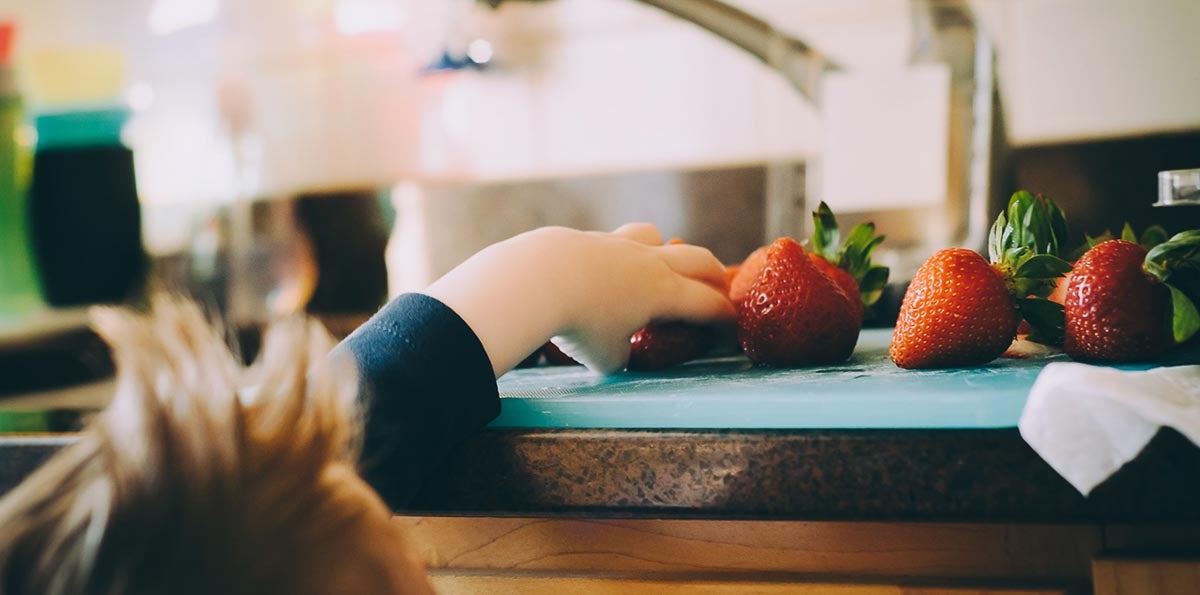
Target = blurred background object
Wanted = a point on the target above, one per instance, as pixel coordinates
(84, 215)
(18, 282)
(1179, 187)
(281, 149)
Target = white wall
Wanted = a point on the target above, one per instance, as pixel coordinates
(609, 84)
(586, 85)
(602, 85)
(1085, 69)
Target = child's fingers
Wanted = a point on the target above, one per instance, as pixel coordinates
(643, 233)
(601, 354)
(695, 262)
(695, 301)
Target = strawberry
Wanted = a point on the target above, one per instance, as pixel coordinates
(664, 344)
(1115, 311)
(842, 278)
(1059, 295)
(848, 263)
(746, 275)
(1151, 237)
(1123, 304)
(962, 310)
(957, 312)
(795, 315)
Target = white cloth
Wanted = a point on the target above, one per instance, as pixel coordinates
(1088, 421)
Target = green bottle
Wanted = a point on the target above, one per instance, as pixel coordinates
(19, 291)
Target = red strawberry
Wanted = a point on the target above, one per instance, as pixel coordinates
(961, 310)
(1059, 295)
(664, 344)
(957, 312)
(1152, 236)
(842, 278)
(1115, 311)
(795, 315)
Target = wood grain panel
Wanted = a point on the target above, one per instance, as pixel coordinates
(503, 583)
(829, 548)
(1118, 576)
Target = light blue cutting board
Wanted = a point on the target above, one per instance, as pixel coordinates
(866, 392)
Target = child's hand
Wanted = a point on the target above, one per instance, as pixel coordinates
(592, 290)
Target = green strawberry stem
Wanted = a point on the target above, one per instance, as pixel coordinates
(1024, 244)
(1031, 222)
(826, 235)
(1176, 263)
(853, 255)
(1151, 237)
(1047, 320)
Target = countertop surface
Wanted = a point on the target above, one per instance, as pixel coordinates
(860, 440)
(975, 475)
(721, 439)
(866, 392)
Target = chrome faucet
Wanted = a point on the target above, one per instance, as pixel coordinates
(944, 30)
(796, 61)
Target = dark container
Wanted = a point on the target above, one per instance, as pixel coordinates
(83, 206)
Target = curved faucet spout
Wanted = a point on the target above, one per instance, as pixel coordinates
(799, 63)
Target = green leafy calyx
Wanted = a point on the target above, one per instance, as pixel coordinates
(1025, 244)
(853, 255)
(1151, 237)
(1176, 263)
(1047, 319)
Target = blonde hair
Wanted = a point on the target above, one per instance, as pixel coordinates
(187, 483)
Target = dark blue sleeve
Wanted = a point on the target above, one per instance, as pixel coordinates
(426, 384)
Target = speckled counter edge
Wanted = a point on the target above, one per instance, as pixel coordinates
(913, 475)
(925, 475)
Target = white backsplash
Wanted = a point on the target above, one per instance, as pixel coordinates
(584, 86)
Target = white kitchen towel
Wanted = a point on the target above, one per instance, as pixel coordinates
(1088, 421)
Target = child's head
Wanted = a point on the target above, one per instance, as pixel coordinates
(183, 486)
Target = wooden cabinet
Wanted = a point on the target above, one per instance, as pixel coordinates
(1145, 576)
(527, 584)
(573, 555)
(496, 555)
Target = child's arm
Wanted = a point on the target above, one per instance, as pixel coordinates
(428, 362)
(591, 289)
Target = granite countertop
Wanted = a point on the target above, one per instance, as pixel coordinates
(845, 443)
(905, 475)
(860, 440)
(977, 475)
